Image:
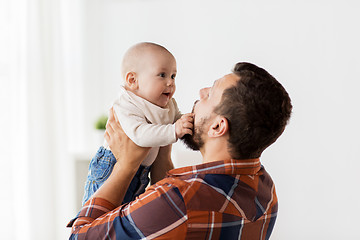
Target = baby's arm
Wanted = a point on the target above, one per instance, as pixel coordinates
(161, 165)
(140, 131)
(145, 134)
(184, 125)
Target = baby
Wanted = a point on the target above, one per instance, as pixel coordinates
(148, 115)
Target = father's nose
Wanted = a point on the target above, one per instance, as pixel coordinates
(203, 92)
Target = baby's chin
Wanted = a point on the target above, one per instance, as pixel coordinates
(161, 104)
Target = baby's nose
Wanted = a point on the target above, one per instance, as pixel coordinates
(170, 82)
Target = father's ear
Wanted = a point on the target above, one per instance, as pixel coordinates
(131, 80)
(219, 127)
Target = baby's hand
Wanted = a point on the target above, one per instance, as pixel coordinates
(184, 125)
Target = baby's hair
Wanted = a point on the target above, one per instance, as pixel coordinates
(136, 53)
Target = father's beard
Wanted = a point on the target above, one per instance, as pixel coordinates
(195, 141)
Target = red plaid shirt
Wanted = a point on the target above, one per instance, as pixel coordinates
(231, 199)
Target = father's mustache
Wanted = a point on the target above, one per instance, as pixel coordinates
(192, 111)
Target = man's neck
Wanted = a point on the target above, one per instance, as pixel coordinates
(215, 150)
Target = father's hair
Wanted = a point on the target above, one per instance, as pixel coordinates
(257, 109)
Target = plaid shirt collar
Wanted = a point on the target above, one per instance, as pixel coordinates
(229, 167)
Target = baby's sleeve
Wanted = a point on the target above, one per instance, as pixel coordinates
(140, 130)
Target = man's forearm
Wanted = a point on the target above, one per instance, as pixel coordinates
(162, 164)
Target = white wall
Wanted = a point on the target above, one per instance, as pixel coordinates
(311, 47)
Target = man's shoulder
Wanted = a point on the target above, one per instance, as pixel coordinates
(179, 183)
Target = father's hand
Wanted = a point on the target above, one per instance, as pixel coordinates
(125, 151)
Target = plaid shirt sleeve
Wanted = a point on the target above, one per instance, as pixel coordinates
(159, 212)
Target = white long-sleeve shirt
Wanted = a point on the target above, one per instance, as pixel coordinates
(146, 124)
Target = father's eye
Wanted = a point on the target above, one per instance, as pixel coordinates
(173, 76)
(162, 75)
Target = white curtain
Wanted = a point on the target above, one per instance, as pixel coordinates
(41, 109)
(13, 123)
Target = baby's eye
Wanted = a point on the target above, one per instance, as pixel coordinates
(173, 76)
(162, 75)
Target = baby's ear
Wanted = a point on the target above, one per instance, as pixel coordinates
(131, 81)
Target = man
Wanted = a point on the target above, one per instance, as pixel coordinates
(229, 196)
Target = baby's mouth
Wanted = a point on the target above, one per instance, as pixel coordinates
(166, 94)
